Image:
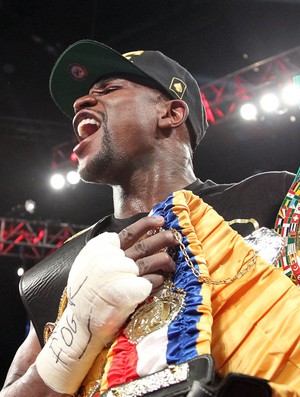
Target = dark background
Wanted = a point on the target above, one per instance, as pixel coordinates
(210, 38)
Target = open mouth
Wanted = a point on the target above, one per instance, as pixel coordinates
(87, 127)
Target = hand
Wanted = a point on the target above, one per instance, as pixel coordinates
(111, 275)
(103, 289)
(147, 253)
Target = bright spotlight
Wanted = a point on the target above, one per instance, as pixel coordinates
(291, 94)
(57, 181)
(30, 206)
(73, 177)
(269, 102)
(20, 271)
(248, 111)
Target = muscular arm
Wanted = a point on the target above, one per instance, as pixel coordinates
(22, 378)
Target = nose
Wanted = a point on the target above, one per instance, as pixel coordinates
(84, 102)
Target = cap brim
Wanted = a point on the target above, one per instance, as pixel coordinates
(93, 61)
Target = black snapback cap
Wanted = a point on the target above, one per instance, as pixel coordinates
(86, 61)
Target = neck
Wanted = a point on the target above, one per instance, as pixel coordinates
(144, 190)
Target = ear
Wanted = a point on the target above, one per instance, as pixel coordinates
(172, 114)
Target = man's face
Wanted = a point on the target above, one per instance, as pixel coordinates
(115, 125)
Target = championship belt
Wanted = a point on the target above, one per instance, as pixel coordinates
(221, 287)
(170, 328)
(287, 225)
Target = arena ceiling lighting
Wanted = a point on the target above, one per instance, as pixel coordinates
(61, 180)
(248, 111)
(73, 177)
(269, 102)
(280, 101)
(20, 271)
(291, 94)
(57, 181)
(30, 206)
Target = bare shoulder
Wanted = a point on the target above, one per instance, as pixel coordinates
(24, 357)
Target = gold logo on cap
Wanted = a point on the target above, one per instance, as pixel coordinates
(178, 87)
(129, 55)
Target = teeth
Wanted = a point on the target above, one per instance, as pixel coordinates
(87, 127)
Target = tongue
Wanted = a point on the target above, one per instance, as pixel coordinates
(88, 129)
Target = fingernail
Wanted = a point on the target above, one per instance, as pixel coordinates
(160, 218)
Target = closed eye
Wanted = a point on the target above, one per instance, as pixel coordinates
(105, 91)
(110, 89)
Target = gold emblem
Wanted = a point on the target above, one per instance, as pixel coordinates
(155, 313)
(178, 86)
(48, 329)
(129, 55)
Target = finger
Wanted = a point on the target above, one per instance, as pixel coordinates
(160, 262)
(156, 280)
(132, 233)
(151, 245)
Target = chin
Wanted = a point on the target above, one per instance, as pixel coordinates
(87, 178)
(91, 177)
(96, 170)
(85, 175)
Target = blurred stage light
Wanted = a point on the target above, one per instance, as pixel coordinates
(30, 206)
(20, 271)
(291, 94)
(73, 157)
(57, 181)
(269, 102)
(73, 177)
(248, 111)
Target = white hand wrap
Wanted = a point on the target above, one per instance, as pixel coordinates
(103, 290)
